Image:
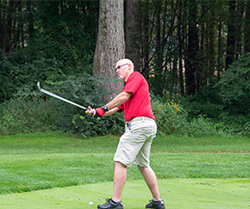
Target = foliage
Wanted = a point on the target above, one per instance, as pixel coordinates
(206, 101)
(30, 111)
(72, 36)
(18, 70)
(172, 119)
(26, 112)
(169, 116)
(81, 90)
(234, 86)
(58, 38)
(202, 127)
(235, 124)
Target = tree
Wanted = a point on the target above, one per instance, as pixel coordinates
(193, 48)
(145, 38)
(110, 46)
(238, 28)
(180, 40)
(231, 34)
(247, 29)
(133, 32)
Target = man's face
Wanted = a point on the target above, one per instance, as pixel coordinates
(122, 69)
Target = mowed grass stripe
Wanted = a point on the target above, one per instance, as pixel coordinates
(54, 142)
(177, 193)
(46, 160)
(38, 171)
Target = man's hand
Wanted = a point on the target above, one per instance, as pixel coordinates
(91, 112)
(98, 112)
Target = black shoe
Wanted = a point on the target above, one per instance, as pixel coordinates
(110, 204)
(156, 204)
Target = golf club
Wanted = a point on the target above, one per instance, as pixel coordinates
(58, 97)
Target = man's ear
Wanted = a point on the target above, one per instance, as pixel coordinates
(130, 66)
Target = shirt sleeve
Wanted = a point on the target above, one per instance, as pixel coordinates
(121, 108)
(133, 83)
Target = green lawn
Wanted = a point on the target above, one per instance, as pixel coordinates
(177, 193)
(192, 172)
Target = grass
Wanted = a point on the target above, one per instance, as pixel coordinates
(177, 193)
(206, 166)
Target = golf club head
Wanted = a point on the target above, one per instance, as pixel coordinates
(38, 86)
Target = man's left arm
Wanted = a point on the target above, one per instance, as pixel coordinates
(119, 100)
(112, 105)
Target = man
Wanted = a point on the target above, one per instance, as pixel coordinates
(134, 145)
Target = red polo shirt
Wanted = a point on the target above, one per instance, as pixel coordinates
(139, 104)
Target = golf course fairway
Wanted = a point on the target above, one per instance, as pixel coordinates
(177, 194)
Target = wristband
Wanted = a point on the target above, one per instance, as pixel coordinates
(99, 112)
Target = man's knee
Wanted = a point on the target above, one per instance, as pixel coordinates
(117, 163)
(142, 168)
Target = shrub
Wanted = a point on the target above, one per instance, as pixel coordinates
(26, 112)
(202, 127)
(236, 124)
(170, 116)
(82, 91)
(30, 111)
(172, 119)
(234, 86)
(206, 101)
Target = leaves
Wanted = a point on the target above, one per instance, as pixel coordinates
(234, 83)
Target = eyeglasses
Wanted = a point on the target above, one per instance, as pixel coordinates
(119, 66)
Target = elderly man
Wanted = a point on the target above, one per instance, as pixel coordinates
(134, 145)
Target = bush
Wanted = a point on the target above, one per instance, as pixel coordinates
(172, 119)
(234, 86)
(31, 111)
(236, 124)
(202, 127)
(206, 101)
(17, 70)
(170, 116)
(82, 91)
(26, 112)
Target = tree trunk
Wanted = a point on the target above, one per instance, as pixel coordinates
(220, 52)
(211, 52)
(145, 40)
(133, 32)
(8, 30)
(110, 46)
(247, 29)
(30, 15)
(180, 48)
(19, 26)
(202, 74)
(231, 35)
(1, 25)
(157, 84)
(193, 47)
(238, 28)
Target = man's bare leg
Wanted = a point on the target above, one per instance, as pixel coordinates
(120, 176)
(151, 180)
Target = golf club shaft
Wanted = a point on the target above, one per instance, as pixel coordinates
(58, 97)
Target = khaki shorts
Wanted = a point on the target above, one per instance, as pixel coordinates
(135, 143)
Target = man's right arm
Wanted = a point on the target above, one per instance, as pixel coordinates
(112, 111)
(92, 112)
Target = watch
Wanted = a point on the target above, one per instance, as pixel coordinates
(105, 108)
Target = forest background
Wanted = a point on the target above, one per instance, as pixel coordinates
(194, 55)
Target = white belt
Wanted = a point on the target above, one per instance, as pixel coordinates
(141, 119)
